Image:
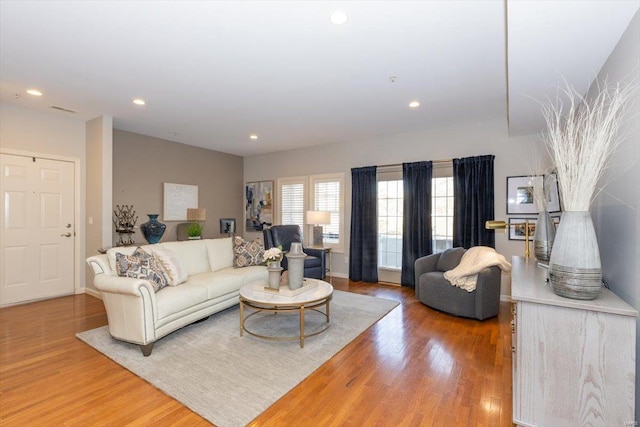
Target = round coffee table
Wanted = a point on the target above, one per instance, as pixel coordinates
(255, 296)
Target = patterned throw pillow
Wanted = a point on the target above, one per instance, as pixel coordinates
(142, 265)
(247, 253)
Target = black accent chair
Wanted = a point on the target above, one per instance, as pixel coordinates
(433, 290)
(283, 235)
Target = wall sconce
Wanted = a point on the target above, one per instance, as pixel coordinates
(502, 225)
(318, 219)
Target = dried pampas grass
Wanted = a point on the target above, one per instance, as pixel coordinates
(582, 137)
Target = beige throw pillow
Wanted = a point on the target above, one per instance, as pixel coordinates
(176, 273)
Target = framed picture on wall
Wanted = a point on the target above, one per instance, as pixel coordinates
(517, 230)
(553, 194)
(177, 199)
(258, 205)
(520, 195)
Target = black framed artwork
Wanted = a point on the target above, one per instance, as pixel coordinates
(520, 199)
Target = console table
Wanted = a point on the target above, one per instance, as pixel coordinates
(574, 361)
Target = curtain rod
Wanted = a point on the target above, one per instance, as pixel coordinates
(400, 164)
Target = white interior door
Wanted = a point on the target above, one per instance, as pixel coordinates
(37, 227)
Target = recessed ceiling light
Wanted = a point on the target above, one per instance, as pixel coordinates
(414, 104)
(139, 101)
(339, 17)
(254, 136)
(34, 92)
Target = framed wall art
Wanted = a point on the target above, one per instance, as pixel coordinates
(258, 205)
(553, 198)
(520, 199)
(517, 229)
(177, 199)
(520, 195)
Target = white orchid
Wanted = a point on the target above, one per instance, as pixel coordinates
(272, 255)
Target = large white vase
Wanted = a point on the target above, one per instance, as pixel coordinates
(575, 270)
(295, 265)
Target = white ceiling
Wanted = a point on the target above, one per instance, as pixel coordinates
(214, 72)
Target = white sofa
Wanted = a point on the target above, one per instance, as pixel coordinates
(139, 315)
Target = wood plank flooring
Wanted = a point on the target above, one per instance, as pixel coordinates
(416, 367)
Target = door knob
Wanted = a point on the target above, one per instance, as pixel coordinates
(67, 234)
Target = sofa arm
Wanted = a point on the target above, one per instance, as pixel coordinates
(423, 265)
(318, 253)
(131, 306)
(123, 285)
(99, 264)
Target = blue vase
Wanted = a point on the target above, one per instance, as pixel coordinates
(153, 229)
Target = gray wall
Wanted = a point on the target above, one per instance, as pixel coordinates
(616, 210)
(141, 164)
(514, 156)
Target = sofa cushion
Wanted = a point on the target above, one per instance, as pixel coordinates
(175, 271)
(254, 273)
(450, 259)
(192, 254)
(175, 299)
(217, 283)
(220, 252)
(247, 253)
(142, 265)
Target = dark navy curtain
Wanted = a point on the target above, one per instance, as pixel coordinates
(473, 201)
(416, 220)
(363, 253)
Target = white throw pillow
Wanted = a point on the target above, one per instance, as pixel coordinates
(176, 272)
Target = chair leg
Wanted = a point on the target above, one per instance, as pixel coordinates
(146, 349)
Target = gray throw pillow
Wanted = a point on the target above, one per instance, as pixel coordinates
(450, 259)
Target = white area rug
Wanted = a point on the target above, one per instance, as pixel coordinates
(229, 380)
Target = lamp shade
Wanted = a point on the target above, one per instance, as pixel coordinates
(196, 214)
(318, 217)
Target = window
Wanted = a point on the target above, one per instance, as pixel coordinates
(326, 195)
(390, 224)
(291, 196)
(390, 212)
(325, 192)
(442, 213)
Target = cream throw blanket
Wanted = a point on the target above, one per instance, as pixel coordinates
(474, 260)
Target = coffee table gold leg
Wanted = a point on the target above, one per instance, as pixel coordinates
(241, 318)
(328, 309)
(302, 326)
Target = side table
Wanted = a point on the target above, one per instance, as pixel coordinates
(327, 250)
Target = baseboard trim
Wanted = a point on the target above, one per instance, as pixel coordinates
(92, 292)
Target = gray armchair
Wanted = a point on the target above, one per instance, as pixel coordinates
(433, 290)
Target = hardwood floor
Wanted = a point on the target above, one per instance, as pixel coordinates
(415, 367)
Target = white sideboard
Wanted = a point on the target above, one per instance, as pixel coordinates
(574, 361)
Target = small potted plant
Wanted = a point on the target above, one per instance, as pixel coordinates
(194, 231)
